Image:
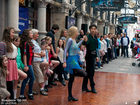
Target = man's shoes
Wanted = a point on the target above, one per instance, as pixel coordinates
(53, 83)
(72, 99)
(30, 96)
(93, 90)
(35, 93)
(86, 90)
(43, 92)
(63, 83)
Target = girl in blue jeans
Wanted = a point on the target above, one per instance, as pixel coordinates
(27, 54)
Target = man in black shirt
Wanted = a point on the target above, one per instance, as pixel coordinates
(91, 57)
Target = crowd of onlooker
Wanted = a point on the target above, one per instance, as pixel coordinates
(23, 60)
(110, 46)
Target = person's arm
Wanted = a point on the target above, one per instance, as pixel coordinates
(57, 50)
(19, 60)
(68, 45)
(47, 57)
(79, 43)
(26, 46)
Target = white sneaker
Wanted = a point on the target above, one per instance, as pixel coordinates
(101, 67)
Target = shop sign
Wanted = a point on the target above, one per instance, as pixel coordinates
(23, 19)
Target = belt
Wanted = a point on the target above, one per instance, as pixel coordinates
(12, 58)
(92, 52)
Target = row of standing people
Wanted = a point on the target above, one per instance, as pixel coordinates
(34, 65)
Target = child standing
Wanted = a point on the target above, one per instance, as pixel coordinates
(11, 53)
(82, 55)
(3, 72)
(20, 65)
(27, 54)
(60, 53)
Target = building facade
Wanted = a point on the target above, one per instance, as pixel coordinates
(42, 14)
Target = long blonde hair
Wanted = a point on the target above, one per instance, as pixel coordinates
(72, 30)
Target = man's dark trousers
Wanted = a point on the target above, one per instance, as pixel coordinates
(90, 69)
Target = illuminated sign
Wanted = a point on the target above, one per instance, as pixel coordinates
(127, 19)
(105, 5)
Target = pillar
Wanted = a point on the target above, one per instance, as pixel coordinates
(41, 20)
(79, 21)
(13, 14)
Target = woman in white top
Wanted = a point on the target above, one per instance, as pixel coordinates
(102, 50)
(105, 59)
(11, 50)
(60, 53)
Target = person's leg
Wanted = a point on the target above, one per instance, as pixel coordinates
(10, 88)
(22, 75)
(124, 49)
(85, 79)
(60, 71)
(24, 85)
(127, 51)
(32, 78)
(81, 73)
(15, 88)
(70, 83)
(119, 51)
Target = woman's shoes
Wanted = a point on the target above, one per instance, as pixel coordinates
(72, 99)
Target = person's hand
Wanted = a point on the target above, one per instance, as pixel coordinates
(7, 72)
(26, 68)
(42, 54)
(85, 38)
(64, 65)
(55, 55)
(51, 64)
(97, 59)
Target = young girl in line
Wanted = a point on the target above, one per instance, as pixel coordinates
(60, 53)
(45, 64)
(3, 72)
(20, 65)
(11, 53)
(53, 63)
(27, 53)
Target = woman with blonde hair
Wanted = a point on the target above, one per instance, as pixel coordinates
(71, 64)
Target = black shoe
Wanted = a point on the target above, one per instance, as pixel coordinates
(43, 92)
(93, 90)
(49, 86)
(86, 90)
(53, 83)
(22, 98)
(63, 83)
(35, 93)
(46, 89)
(72, 99)
(30, 96)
